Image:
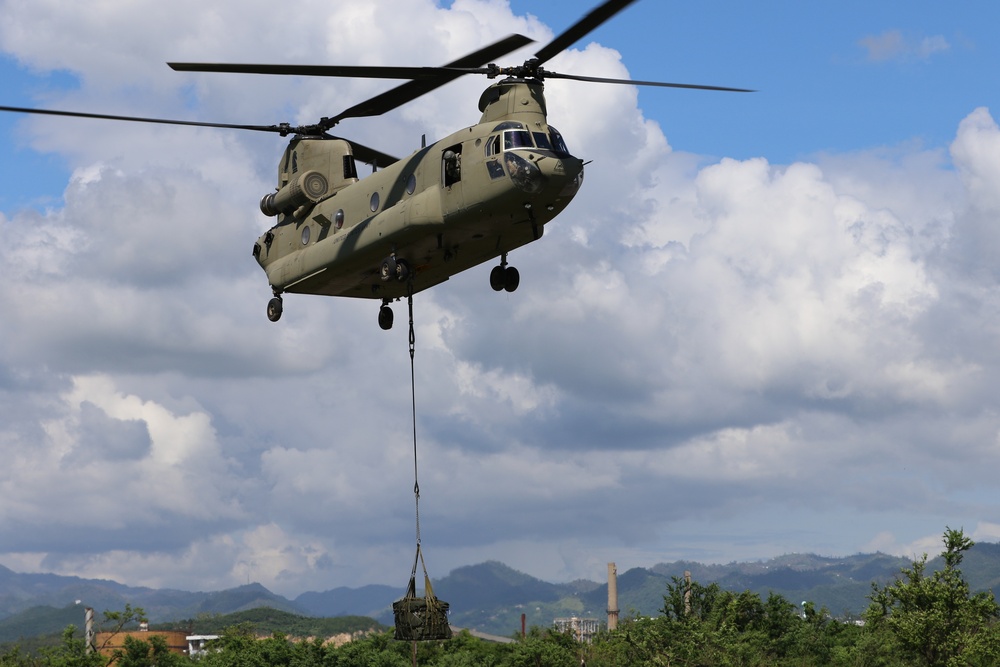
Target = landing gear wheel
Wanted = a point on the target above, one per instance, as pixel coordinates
(497, 278)
(402, 270)
(511, 278)
(385, 317)
(388, 268)
(274, 307)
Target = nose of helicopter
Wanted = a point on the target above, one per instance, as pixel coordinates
(562, 178)
(568, 172)
(545, 175)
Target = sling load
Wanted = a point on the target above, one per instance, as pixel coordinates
(418, 618)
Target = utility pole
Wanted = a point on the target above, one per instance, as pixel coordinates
(88, 628)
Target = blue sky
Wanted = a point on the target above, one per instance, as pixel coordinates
(767, 323)
(831, 77)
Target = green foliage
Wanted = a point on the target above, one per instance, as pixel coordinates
(267, 621)
(72, 652)
(151, 653)
(921, 618)
(706, 625)
(935, 619)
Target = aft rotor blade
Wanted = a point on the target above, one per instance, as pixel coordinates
(411, 90)
(281, 129)
(575, 32)
(631, 82)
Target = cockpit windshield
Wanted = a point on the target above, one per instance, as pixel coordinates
(511, 138)
(516, 139)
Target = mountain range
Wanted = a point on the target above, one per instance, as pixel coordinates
(489, 597)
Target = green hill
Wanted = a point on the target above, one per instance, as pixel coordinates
(266, 621)
(490, 597)
(39, 621)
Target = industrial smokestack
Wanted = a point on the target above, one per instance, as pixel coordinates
(612, 597)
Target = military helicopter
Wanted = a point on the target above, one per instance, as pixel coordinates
(469, 198)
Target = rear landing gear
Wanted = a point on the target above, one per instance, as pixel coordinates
(274, 308)
(385, 316)
(504, 277)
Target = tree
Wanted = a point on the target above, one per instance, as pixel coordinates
(14, 658)
(72, 652)
(151, 653)
(934, 619)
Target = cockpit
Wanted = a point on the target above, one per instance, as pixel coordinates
(513, 135)
(525, 156)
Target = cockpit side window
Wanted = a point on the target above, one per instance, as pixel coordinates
(493, 145)
(542, 140)
(516, 139)
(558, 144)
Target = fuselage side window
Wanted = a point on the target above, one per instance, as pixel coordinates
(451, 165)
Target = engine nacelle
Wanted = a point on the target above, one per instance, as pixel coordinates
(306, 188)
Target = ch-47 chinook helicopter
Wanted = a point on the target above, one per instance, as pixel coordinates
(466, 199)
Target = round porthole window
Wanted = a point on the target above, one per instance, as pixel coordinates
(338, 218)
(305, 235)
(411, 184)
(374, 202)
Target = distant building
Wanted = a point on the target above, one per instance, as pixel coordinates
(197, 643)
(108, 642)
(583, 629)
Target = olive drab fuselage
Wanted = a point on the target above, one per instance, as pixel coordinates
(464, 200)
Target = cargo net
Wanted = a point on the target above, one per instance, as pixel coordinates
(420, 618)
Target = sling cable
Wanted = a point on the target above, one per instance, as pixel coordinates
(418, 618)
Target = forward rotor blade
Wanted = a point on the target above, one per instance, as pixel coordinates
(631, 82)
(575, 32)
(346, 71)
(281, 129)
(411, 90)
(473, 60)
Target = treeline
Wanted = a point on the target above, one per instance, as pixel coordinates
(266, 621)
(921, 618)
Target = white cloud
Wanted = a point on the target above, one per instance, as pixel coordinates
(692, 341)
(893, 45)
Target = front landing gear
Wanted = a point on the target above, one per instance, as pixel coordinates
(274, 308)
(385, 316)
(504, 277)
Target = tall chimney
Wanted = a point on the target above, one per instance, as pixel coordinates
(612, 597)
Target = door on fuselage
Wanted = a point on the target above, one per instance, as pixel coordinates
(452, 198)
